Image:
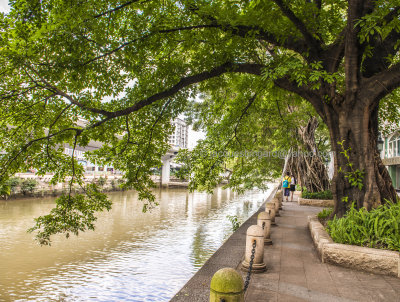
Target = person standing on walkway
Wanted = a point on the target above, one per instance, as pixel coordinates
(293, 183)
(286, 185)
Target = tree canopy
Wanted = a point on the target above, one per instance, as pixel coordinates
(128, 67)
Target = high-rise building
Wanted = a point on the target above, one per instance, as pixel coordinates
(179, 138)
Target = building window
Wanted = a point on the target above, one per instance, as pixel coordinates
(394, 146)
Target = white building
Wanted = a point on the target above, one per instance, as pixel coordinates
(88, 166)
(179, 139)
(391, 156)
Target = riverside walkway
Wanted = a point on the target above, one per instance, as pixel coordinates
(294, 271)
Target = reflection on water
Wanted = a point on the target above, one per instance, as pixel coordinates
(131, 256)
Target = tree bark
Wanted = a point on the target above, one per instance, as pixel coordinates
(357, 127)
(307, 165)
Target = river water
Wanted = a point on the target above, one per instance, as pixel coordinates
(131, 256)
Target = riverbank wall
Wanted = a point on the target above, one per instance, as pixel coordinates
(107, 183)
(230, 254)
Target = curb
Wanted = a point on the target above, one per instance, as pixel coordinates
(316, 202)
(367, 259)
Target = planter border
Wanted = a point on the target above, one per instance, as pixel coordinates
(315, 202)
(367, 259)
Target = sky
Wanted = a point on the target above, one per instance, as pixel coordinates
(4, 6)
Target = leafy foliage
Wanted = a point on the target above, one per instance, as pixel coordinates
(317, 195)
(72, 214)
(28, 186)
(354, 176)
(378, 228)
(5, 191)
(101, 181)
(325, 213)
(13, 182)
(235, 222)
(119, 72)
(249, 132)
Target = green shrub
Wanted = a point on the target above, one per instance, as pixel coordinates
(13, 182)
(378, 228)
(101, 181)
(113, 184)
(9, 186)
(28, 186)
(317, 195)
(5, 191)
(325, 213)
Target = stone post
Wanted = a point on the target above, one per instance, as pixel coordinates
(226, 285)
(254, 233)
(280, 197)
(275, 201)
(264, 221)
(271, 208)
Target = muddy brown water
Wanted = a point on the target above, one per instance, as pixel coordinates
(131, 256)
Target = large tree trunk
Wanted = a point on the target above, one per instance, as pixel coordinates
(357, 128)
(306, 165)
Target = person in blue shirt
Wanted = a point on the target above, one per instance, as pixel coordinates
(286, 185)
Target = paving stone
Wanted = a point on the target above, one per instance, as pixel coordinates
(288, 298)
(355, 293)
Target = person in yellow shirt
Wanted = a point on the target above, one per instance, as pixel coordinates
(293, 184)
(286, 185)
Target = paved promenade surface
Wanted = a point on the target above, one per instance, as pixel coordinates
(295, 272)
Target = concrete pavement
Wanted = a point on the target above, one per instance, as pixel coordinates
(295, 272)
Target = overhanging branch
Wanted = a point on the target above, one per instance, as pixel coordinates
(242, 30)
(184, 82)
(312, 96)
(315, 46)
(381, 84)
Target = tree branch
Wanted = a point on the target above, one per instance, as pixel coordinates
(382, 51)
(30, 143)
(116, 8)
(70, 98)
(242, 30)
(314, 44)
(249, 68)
(163, 31)
(392, 14)
(353, 49)
(381, 84)
(334, 54)
(304, 92)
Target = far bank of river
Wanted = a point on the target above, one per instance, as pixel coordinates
(42, 187)
(132, 256)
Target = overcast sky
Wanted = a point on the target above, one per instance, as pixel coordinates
(4, 6)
